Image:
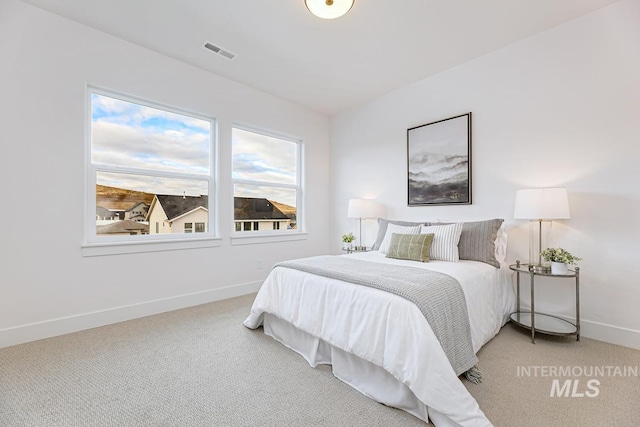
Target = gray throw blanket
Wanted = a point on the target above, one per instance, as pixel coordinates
(438, 296)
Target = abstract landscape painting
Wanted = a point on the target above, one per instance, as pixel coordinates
(439, 162)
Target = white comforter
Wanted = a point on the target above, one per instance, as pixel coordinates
(388, 330)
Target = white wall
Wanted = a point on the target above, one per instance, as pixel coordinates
(558, 109)
(46, 286)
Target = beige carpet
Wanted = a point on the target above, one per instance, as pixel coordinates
(201, 367)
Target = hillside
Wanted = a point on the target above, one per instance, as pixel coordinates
(120, 198)
(289, 211)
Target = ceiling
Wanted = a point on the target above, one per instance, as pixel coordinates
(325, 65)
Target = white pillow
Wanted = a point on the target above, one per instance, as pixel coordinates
(501, 244)
(445, 241)
(398, 229)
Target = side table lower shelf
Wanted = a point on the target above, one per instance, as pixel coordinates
(539, 322)
(545, 323)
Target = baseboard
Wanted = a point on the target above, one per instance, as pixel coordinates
(611, 334)
(607, 333)
(65, 325)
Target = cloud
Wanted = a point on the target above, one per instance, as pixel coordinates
(105, 108)
(126, 134)
(131, 135)
(144, 148)
(263, 158)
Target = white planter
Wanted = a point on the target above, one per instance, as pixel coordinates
(559, 268)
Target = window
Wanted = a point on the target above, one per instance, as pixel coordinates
(266, 178)
(247, 226)
(140, 154)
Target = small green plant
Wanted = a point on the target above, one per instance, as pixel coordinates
(348, 238)
(560, 255)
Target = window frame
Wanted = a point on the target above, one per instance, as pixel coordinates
(94, 245)
(262, 236)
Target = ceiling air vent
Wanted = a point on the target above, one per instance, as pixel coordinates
(218, 50)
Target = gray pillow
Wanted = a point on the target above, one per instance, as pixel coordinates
(382, 229)
(478, 241)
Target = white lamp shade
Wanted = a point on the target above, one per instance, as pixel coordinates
(542, 203)
(364, 208)
(329, 9)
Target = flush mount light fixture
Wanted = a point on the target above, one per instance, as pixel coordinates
(329, 9)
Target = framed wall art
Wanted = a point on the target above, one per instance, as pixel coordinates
(439, 162)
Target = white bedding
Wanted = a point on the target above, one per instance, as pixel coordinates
(388, 331)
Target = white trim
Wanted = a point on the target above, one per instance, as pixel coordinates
(603, 332)
(300, 208)
(116, 248)
(65, 325)
(298, 186)
(608, 333)
(255, 237)
(264, 184)
(110, 93)
(187, 213)
(266, 132)
(94, 245)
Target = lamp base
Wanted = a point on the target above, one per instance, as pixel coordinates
(539, 233)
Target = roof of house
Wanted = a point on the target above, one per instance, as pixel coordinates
(175, 206)
(125, 226)
(245, 208)
(145, 206)
(248, 208)
(105, 213)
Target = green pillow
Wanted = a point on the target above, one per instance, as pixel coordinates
(413, 247)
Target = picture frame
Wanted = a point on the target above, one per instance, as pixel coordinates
(439, 162)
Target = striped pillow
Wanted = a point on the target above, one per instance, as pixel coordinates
(479, 241)
(445, 241)
(414, 247)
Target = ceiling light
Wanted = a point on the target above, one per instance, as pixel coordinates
(329, 9)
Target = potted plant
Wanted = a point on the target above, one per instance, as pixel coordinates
(560, 259)
(347, 239)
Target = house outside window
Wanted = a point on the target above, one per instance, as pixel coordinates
(152, 163)
(267, 180)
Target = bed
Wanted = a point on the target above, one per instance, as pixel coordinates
(380, 343)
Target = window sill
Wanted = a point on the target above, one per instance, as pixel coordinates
(113, 248)
(251, 239)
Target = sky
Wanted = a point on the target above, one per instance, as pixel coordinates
(258, 157)
(151, 140)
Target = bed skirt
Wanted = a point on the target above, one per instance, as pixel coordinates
(364, 376)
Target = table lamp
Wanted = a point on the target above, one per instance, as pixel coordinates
(362, 209)
(540, 206)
